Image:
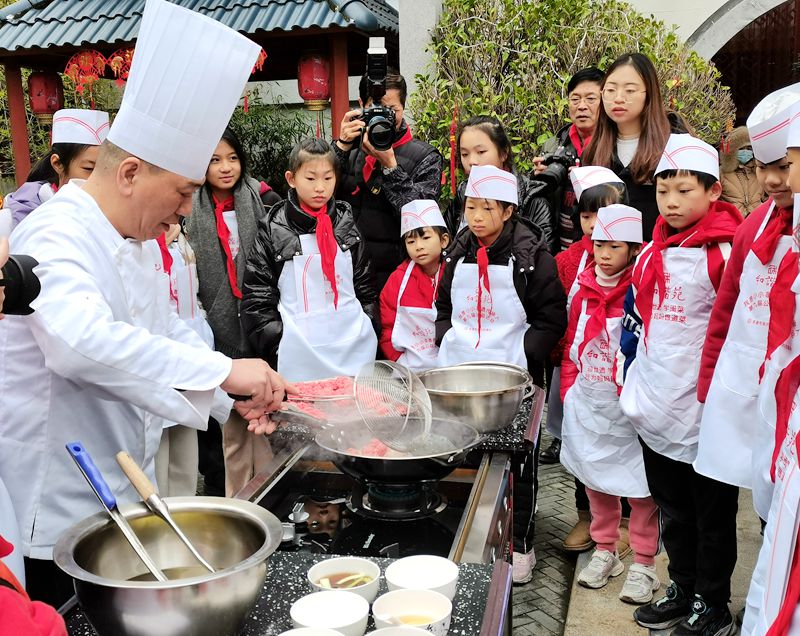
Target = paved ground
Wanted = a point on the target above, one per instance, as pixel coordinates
(540, 607)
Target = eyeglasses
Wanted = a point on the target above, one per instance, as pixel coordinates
(610, 94)
(589, 100)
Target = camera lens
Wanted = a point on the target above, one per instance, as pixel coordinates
(380, 133)
(21, 285)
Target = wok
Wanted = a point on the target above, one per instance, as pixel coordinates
(431, 459)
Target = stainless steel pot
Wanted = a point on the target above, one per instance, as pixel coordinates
(233, 535)
(485, 395)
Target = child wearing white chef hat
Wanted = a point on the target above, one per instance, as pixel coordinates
(407, 301)
(75, 140)
(600, 446)
(738, 334)
(500, 299)
(675, 282)
(594, 187)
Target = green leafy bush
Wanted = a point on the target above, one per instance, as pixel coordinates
(513, 59)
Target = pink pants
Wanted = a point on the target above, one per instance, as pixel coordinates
(643, 528)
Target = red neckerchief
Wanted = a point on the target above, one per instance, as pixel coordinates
(590, 290)
(785, 391)
(717, 226)
(781, 307)
(575, 138)
(166, 260)
(326, 242)
(779, 224)
(224, 234)
(369, 163)
(483, 280)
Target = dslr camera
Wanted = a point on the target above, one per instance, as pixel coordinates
(379, 119)
(558, 164)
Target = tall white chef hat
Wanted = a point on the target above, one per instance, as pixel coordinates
(79, 126)
(684, 152)
(489, 182)
(618, 222)
(585, 177)
(420, 213)
(768, 124)
(187, 75)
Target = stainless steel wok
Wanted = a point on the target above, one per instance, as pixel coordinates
(431, 459)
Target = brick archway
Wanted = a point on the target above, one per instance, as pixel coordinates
(726, 22)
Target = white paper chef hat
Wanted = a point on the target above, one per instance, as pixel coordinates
(187, 75)
(79, 126)
(618, 222)
(684, 152)
(489, 182)
(768, 124)
(585, 177)
(420, 213)
(793, 133)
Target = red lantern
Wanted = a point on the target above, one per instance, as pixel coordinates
(313, 80)
(46, 94)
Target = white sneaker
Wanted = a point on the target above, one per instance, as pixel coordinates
(603, 565)
(522, 566)
(640, 584)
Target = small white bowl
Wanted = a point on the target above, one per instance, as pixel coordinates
(399, 631)
(423, 572)
(347, 564)
(344, 612)
(404, 603)
(311, 631)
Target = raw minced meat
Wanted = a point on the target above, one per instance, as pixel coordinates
(329, 387)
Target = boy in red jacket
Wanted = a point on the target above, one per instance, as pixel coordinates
(675, 282)
(736, 342)
(407, 302)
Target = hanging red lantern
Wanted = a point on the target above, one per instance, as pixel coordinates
(46, 94)
(313, 80)
(84, 69)
(120, 63)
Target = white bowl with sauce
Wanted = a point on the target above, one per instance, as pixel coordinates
(423, 572)
(406, 630)
(344, 612)
(425, 609)
(338, 574)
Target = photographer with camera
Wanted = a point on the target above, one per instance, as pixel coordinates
(383, 166)
(564, 150)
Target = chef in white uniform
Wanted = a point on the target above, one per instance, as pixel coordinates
(103, 358)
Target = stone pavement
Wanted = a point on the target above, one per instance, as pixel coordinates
(540, 606)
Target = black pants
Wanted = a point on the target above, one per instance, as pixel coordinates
(46, 582)
(525, 471)
(211, 460)
(698, 526)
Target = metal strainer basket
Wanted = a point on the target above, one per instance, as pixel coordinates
(394, 404)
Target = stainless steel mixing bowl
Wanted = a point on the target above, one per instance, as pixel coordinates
(485, 395)
(235, 536)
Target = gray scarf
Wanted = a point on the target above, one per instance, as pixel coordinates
(214, 290)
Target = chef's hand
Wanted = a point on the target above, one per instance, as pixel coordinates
(350, 129)
(3, 259)
(254, 377)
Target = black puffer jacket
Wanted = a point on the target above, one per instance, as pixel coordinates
(533, 206)
(278, 241)
(535, 279)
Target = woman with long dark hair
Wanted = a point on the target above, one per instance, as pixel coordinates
(632, 131)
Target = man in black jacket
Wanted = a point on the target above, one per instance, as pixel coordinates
(378, 183)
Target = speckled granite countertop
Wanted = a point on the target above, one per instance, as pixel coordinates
(286, 582)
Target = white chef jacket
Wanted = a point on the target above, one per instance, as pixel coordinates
(101, 360)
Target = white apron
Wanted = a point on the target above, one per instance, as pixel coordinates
(320, 341)
(599, 444)
(765, 416)
(728, 430)
(414, 331)
(555, 409)
(503, 324)
(660, 391)
(771, 575)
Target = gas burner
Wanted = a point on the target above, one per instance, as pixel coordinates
(396, 501)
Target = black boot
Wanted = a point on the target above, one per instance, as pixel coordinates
(552, 453)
